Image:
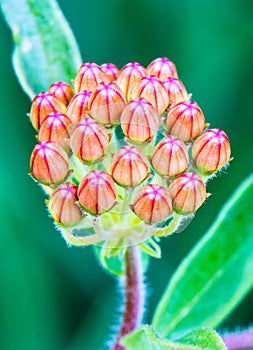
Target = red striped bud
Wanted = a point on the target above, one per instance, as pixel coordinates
(43, 104)
(62, 91)
(107, 103)
(110, 70)
(162, 68)
(170, 157)
(152, 204)
(153, 90)
(129, 167)
(176, 90)
(188, 192)
(97, 192)
(129, 76)
(62, 205)
(89, 140)
(139, 121)
(185, 120)
(211, 151)
(49, 163)
(89, 76)
(78, 106)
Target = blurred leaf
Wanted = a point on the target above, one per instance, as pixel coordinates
(45, 48)
(205, 338)
(217, 273)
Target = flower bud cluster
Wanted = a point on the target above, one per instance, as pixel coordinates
(123, 151)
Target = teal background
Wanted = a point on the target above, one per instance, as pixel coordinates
(54, 297)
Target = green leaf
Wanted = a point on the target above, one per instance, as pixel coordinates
(217, 273)
(45, 48)
(206, 338)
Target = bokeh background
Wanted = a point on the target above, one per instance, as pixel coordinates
(54, 297)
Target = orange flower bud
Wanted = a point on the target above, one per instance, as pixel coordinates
(185, 120)
(62, 205)
(97, 192)
(43, 104)
(107, 103)
(78, 106)
(129, 167)
(49, 163)
(55, 127)
(162, 68)
(188, 192)
(176, 90)
(170, 157)
(62, 91)
(89, 76)
(139, 121)
(152, 204)
(211, 151)
(110, 70)
(89, 140)
(129, 76)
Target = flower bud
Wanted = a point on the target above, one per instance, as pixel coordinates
(78, 106)
(97, 192)
(129, 76)
(176, 90)
(89, 76)
(139, 121)
(170, 157)
(62, 91)
(185, 120)
(152, 204)
(62, 205)
(111, 71)
(43, 104)
(188, 192)
(49, 163)
(162, 68)
(211, 151)
(107, 103)
(89, 140)
(129, 167)
(55, 127)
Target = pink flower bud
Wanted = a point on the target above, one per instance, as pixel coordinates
(129, 167)
(89, 76)
(49, 163)
(129, 76)
(176, 90)
(62, 205)
(139, 121)
(185, 120)
(153, 90)
(89, 140)
(188, 192)
(78, 106)
(211, 151)
(43, 104)
(107, 103)
(152, 204)
(110, 70)
(97, 192)
(170, 157)
(55, 127)
(162, 68)
(62, 91)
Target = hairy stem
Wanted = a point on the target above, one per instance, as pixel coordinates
(239, 341)
(134, 295)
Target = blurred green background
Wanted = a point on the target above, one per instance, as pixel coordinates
(54, 297)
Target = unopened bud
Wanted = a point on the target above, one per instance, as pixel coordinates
(62, 205)
(110, 70)
(62, 91)
(176, 90)
(162, 68)
(152, 204)
(78, 106)
(185, 120)
(211, 151)
(49, 163)
(97, 192)
(188, 192)
(170, 157)
(89, 76)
